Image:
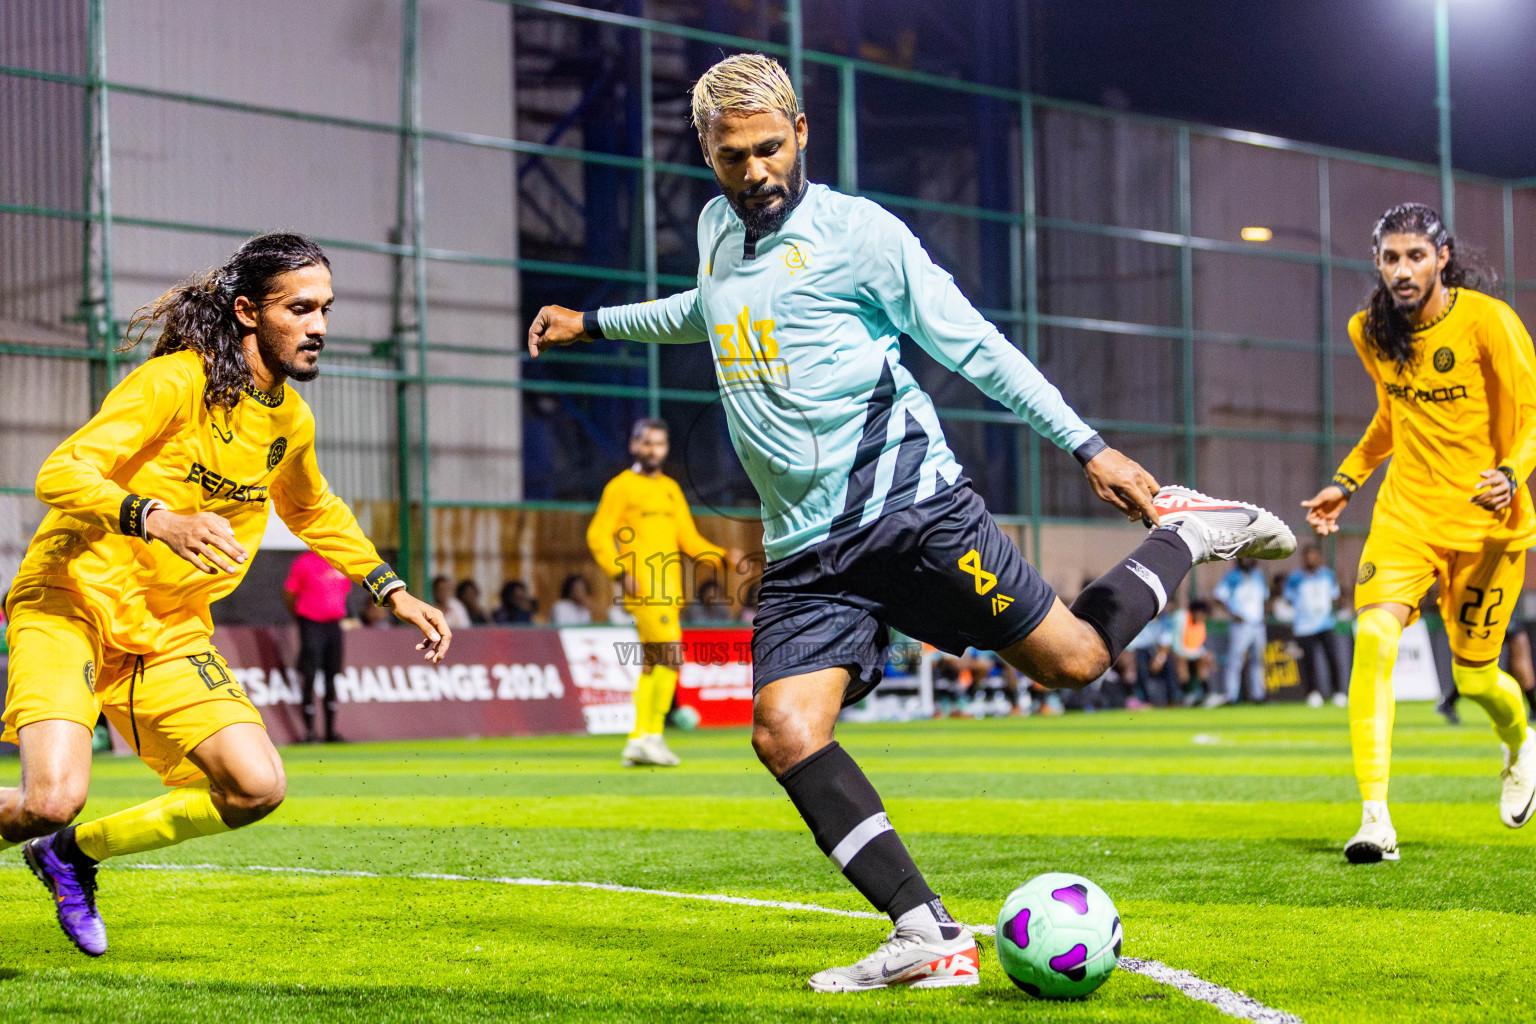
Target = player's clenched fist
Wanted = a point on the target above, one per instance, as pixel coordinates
(204, 539)
(554, 326)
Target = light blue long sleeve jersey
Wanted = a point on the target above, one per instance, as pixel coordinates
(805, 326)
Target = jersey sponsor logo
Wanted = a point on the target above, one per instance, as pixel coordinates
(276, 452)
(217, 486)
(1367, 570)
(1000, 602)
(1411, 394)
(748, 351)
(88, 670)
(796, 259)
(971, 563)
(1444, 360)
(227, 436)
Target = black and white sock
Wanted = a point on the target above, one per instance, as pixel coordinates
(848, 821)
(1120, 603)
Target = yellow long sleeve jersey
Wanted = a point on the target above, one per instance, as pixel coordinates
(154, 438)
(641, 524)
(1468, 404)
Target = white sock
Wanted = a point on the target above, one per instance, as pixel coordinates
(930, 919)
(1376, 809)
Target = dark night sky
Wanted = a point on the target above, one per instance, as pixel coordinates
(1353, 73)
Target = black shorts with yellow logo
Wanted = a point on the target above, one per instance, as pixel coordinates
(939, 571)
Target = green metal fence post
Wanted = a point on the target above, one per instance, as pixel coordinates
(1509, 242)
(796, 23)
(648, 211)
(847, 131)
(1325, 332)
(410, 128)
(1031, 314)
(98, 286)
(1443, 102)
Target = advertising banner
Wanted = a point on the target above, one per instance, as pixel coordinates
(715, 678)
(498, 682)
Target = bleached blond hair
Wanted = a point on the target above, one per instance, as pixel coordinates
(745, 81)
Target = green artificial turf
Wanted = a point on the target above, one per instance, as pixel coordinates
(1218, 834)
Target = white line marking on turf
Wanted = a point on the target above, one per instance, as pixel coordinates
(1233, 1004)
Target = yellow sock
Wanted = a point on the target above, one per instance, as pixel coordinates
(665, 681)
(1371, 704)
(182, 814)
(1498, 694)
(643, 700)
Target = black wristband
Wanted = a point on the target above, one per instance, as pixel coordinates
(1088, 449)
(1509, 474)
(591, 326)
(1345, 484)
(381, 581)
(132, 513)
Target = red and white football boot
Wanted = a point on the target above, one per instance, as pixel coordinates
(1217, 529)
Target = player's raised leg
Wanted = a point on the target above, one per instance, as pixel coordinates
(793, 721)
(1073, 648)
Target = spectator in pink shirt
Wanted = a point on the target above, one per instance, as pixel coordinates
(316, 594)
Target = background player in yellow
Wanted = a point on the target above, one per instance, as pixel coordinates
(1456, 412)
(639, 535)
(157, 505)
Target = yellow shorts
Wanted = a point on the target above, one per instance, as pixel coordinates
(1478, 589)
(656, 623)
(164, 705)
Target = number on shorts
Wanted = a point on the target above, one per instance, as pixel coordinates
(1469, 609)
(209, 668)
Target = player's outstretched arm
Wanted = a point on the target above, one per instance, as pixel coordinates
(1323, 509)
(1119, 480)
(436, 636)
(203, 538)
(553, 327)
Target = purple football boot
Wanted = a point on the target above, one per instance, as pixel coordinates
(73, 886)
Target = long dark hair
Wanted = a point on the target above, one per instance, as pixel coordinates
(1388, 329)
(199, 313)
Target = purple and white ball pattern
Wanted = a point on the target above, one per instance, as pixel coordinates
(1058, 936)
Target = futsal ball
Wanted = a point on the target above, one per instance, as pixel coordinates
(1058, 936)
(686, 717)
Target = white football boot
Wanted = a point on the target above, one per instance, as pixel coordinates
(635, 754)
(911, 959)
(1519, 777)
(1314, 699)
(1216, 529)
(1376, 840)
(661, 755)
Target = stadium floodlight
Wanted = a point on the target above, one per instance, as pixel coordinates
(1256, 234)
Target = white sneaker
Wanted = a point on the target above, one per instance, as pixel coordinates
(913, 959)
(1216, 529)
(1340, 699)
(1314, 699)
(1519, 776)
(661, 755)
(1376, 840)
(1215, 700)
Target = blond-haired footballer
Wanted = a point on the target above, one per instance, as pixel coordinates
(1456, 413)
(157, 505)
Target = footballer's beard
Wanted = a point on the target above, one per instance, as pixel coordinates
(272, 355)
(768, 218)
(1410, 307)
